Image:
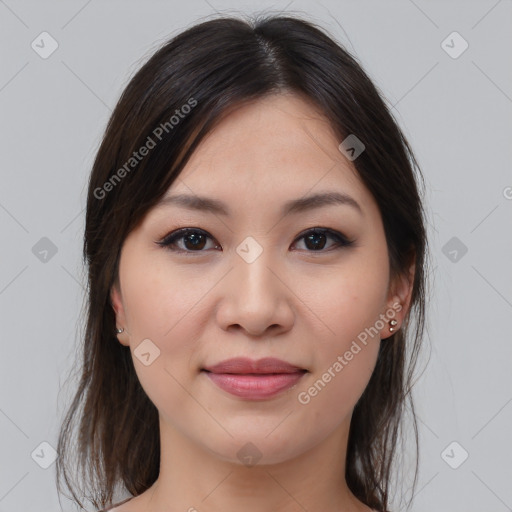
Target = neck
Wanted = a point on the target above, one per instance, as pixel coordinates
(193, 479)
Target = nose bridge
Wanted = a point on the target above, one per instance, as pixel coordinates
(253, 262)
(256, 299)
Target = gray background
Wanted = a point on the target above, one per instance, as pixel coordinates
(456, 113)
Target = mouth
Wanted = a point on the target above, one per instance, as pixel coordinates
(254, 379)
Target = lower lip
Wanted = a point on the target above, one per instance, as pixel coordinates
(255, 387)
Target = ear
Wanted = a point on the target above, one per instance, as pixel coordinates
(399, 301)
(117, 304)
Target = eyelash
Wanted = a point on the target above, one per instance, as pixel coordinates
(169, 240)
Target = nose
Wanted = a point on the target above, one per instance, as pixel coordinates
(255, 298)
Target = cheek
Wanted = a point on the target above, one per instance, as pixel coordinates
(348, 299)
(345, 358)
(163, 305)
(349, 303)
(163, 300)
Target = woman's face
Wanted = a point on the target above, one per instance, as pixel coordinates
(252, 280)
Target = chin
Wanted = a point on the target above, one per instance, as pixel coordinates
(258, 446)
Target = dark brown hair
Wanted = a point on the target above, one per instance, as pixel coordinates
(214, 67)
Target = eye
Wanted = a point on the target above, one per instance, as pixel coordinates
(315, 239)
(190, 240)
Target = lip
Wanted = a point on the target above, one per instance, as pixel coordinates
(254, 379)
(244, 365)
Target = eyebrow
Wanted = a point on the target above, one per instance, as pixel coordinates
(294, 206)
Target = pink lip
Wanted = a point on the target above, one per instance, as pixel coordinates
(254, 380)
(243, 365)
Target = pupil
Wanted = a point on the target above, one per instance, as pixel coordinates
(195, 239)
(311, 238)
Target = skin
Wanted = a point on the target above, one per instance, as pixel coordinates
(294, 303)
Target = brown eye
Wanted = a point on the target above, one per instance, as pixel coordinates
(316, 239)
(193, 241)
(186, 240)
(190, 240)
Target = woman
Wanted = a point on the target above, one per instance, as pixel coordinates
(256, 250)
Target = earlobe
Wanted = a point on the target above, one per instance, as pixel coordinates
(399, 302)
(393, 317)
(117, 306)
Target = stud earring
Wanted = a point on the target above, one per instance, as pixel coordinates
(392, 324)
(119, 330)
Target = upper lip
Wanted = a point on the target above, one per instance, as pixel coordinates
(244, 365)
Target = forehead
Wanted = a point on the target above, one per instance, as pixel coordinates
(278, 143)
(267, 160)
